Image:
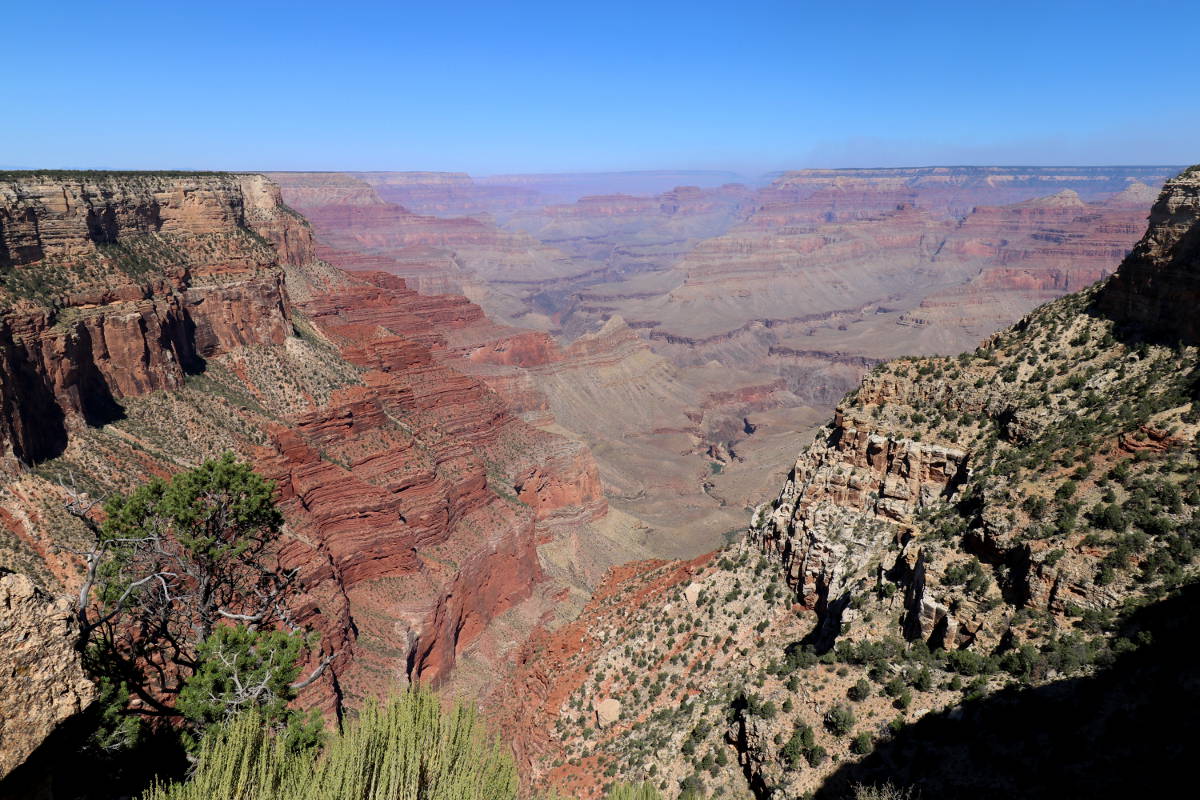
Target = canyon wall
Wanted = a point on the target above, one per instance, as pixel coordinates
(1156, 289)
(119, 287)
(153, 320)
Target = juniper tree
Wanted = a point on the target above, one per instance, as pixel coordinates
(183, 583)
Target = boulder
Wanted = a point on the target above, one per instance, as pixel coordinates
(607, 711)
(42, 682)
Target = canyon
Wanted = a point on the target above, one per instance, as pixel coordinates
(517, 426)
(752, 310)
(151, 321)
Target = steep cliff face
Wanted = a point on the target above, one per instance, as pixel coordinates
(436, 491)
(115, 286)
(961, 525)
(855, 478)
(1158, 286)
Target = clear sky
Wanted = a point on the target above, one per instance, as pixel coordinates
(576, 85)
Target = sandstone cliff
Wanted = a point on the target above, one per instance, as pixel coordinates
(1156, 288)
(118, 285)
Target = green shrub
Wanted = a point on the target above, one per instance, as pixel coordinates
(234, 657)
(623, 791)
(968, 662)
(859, 691)
(883, 792)
(798, 746)
(406, 748)
(171, 565)
(839, 719)
(1109, 517)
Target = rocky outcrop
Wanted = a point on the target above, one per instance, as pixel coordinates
(1158, 286)
(866, 485)
(42, 682)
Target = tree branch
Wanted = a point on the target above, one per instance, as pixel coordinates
(316, 673)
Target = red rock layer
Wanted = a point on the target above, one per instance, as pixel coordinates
(414, 500)
(122, 325)
(1032, 252)
(394, 477)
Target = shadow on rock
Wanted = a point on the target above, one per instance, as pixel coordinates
(1124, 731)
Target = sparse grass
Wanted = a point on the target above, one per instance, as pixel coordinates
(407, 748)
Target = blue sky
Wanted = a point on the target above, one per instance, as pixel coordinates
(565, 86)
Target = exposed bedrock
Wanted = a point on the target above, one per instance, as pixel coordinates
(1158, 286)
(116, 287)
(42, 682)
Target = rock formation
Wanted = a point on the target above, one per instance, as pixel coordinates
(1156, 288)
(115, 287)
(42, 682)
